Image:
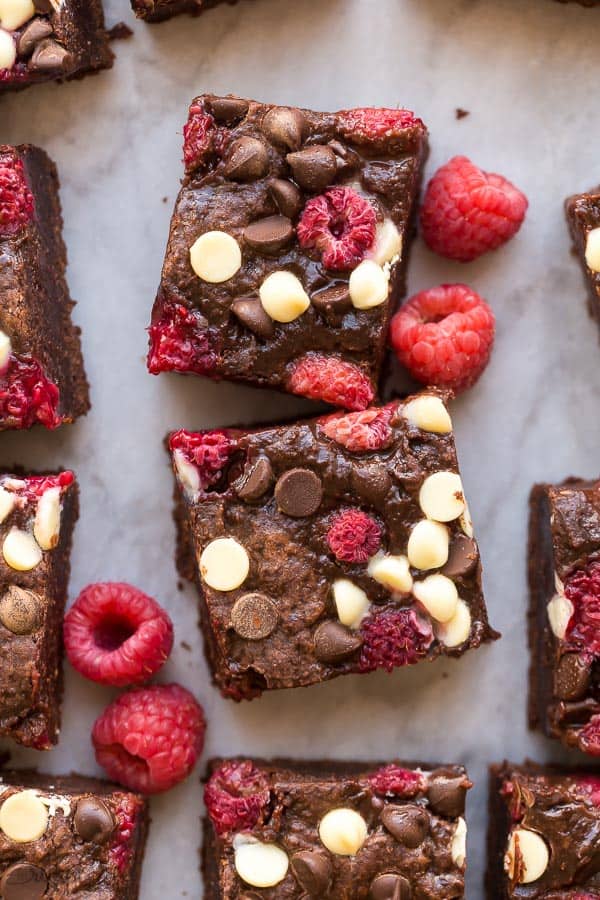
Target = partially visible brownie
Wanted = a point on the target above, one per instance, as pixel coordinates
(334, 831)
(159, 10)
(583, 217)
(42, 379)
(37, 516)
(70, 838)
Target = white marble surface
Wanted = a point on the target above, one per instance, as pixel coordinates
(528, 72)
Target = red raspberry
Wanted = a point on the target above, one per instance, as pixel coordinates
(354, 536)
(395, 781)
(236, 796)
(149, 739)
(582, 588)
(180, 341)
(360, 431)
(589, 737)
(590, 785)
(330, 379)
(27, 396)
(394, 638)
(127, 814)
(198, 137)
(444, 336)
(208, 451)
(36, 485)
(372, 125)
(16, 200)
(467, 212)
(341, 225)
(115, 634)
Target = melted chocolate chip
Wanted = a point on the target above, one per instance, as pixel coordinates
(312, 869)
(333, 301)
(390, 887)
(49, 56)
(255, 480)
(269, 235)
(372, 484)
(298, 493)
(36, 31)
(409, 824)
(462, 557)
(286, 196)
(20, 610)
(446, 795)
(572, 677)
(334, 642)
(23, 881)
(93, 820)
(228, 109)
(250, 312)
(285, 127)
(248, 160)
(43, 6)
(314, 168)
(346, 159)
(254, 616)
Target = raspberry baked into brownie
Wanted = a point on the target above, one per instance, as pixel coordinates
(331, 546)
(583, 217)
(287, 247)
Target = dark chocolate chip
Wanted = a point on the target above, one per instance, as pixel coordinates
(314, 168)
(49, 56)
(20, 610)
(372, 484)
(447, 794)
(23, 881)
(36, 31)
(269, 235)
(298, 493)
(43, 6)
(93, 820)
(390, 887)
(250, 312)
(285, 127)
(333, 301)
(334, 642)
(248, 160)
(409, 824)
(462, 557)
(286, 196)
(255, 480)
(346, 159)
(312, 869)
(254, 616)
(228, 109)
(572, 677)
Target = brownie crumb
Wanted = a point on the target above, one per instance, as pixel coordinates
(120, 32)
(461, 113)
(185, 646)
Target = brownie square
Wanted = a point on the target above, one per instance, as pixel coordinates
(564, 634)
(70, 837)
(333, 830)
(159, 10)
(42, 379)
(543, 833)
(583, 217)
(37, 516)
(287, 247)
(331, 546)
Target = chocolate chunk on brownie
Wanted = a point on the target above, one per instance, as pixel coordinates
(287, 246)
(331, 546)
(583, 217)
(42, 379)
(544, 833)
(37, 517)
(159, 10)
(564, 630)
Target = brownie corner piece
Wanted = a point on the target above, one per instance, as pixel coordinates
(330, 546)
(329, 829)
(287, 247)
(42, 377)
(583, 218)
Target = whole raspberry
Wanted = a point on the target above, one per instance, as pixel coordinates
(377, 126)
(341, 225)
(394, 638)
(180, 341)
(582, 588)
(467, 212)
(353, 536)
(589, 737)
(27, 396)
(208, 451)
(149, 739)
(236, 796)
(330, 379)
(16, 200)
(115, 634)
(394, 781)
(444, 336)
(360, 431)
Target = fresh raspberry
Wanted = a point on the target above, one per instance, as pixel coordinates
(27, 396)
(115, 634)
(379, 126)
(236, 796)
(354, 536)
(180, 341)
(34, 486)
(395, 781)
(208, 451)
(582, 588)
(590, 785)
(467, 212)
(330, 379)
(360, 431)
(200, 137)
(127, 814)
(394, 638)
(341, 225)
(16, 200)
(444, 336)
(149, 739)
(589, 737)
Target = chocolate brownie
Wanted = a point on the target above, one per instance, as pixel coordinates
(287, 247)
(334, 831)
(159, 10)
(42, 379)
(564, 623)
(544, 833)
(324, 547)
(583, 217)
(37, 516)
(70, 838)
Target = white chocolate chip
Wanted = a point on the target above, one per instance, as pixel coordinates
(15, 13)
(527, 856)
(457, 630)
(187, 474)
(560, 609)
(388, 243)
(215, 257)
(23, 817)
(5, 350)
(343, 831)
(439, 596)
(391, 571)
(428, 545)
(466, 522)
(592, 250)
(282, 297)
(260, 865)
(441, 496)
(368, 285)
(8, 50)
(351, 602)
(7, 504)
(224, 564)
(428, 413)
(21, 551)
(458, 848)
(55, 802)
(46, 527)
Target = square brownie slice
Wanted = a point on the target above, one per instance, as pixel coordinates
(583, 217)
(543, 836)
(42, 379)
(564, 624)
(37, 516)
(332, 830)
(331, 546)
(70, 837)
(287, 247)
